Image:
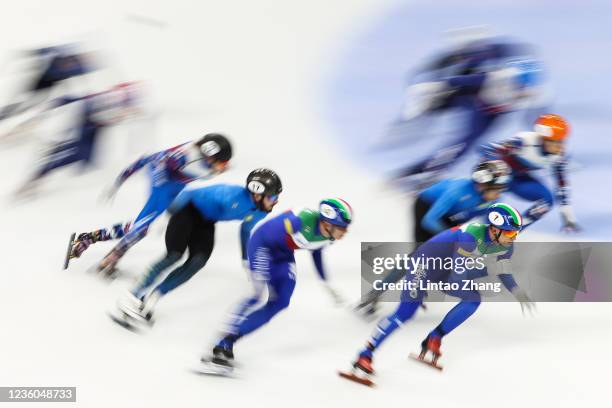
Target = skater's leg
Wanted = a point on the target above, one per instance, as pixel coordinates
(86, 239)
(389, 324)
(455, 317)
(177, 238)
(373, 295)
(182, 274)
(421, 235)
(201, 243)
(158, 201)
(530, 189)
(260, 263)
(279, 277)
(281, 290)
(61, 155)
(140, 289)
(478, 123)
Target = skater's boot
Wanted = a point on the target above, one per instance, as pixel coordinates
(130, 305)
(431, 344)
(361, 370)
(221, 362)
(223, 352)
(148, 306)
(364, 364)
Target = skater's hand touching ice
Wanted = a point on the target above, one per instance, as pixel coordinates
(335, 295)
(527, 305)
(109, 193)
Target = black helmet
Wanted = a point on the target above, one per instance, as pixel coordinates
(492, 173)
(215, 146)
(264, 181)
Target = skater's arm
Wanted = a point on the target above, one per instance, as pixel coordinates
(432, 221)
(245, 230)
(507, 279)
(317, 258)
(503, 270)
(133, 168)
(500, 150)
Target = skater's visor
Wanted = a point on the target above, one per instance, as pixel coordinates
(222, 165)
(509, 233)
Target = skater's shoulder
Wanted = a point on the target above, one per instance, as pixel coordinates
(524, 138)
(471, 234)
(307, 215)
(462, 185)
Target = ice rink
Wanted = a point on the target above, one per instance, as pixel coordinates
(264, 73)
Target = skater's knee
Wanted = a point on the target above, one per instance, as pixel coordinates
(198, 259)
(547, 197)
(279, 303)
(173, 256)
(471, 297)
(471, 305)
(282, 304)
(406, 310)
(538, 210)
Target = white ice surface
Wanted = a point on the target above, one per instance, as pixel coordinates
(250, 69)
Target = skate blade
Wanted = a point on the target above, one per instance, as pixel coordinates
(69, 250)
(207, 367)
(358, 380)
(429, 363)
(126, 322)
(135, 317)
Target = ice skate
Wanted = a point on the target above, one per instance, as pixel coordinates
(220, 363)
(68, 256)
(132, 313)
(430, 344)
(361, 371)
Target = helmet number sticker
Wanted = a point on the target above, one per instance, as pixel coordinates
(496, 218)
(328, 211)
(210, 148)
(256, 187)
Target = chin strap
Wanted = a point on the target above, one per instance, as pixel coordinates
(497, 235)
(329, 232)
(259, 204)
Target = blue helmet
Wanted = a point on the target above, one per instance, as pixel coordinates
(504, 217)
(528, 71)
(336, 211)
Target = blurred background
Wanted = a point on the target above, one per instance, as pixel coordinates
(366, 92)
(316, 91)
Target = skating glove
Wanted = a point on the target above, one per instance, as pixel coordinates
(108, 195)
(527, 305)
(335, 295)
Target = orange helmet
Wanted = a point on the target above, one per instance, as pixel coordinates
(552, 127)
